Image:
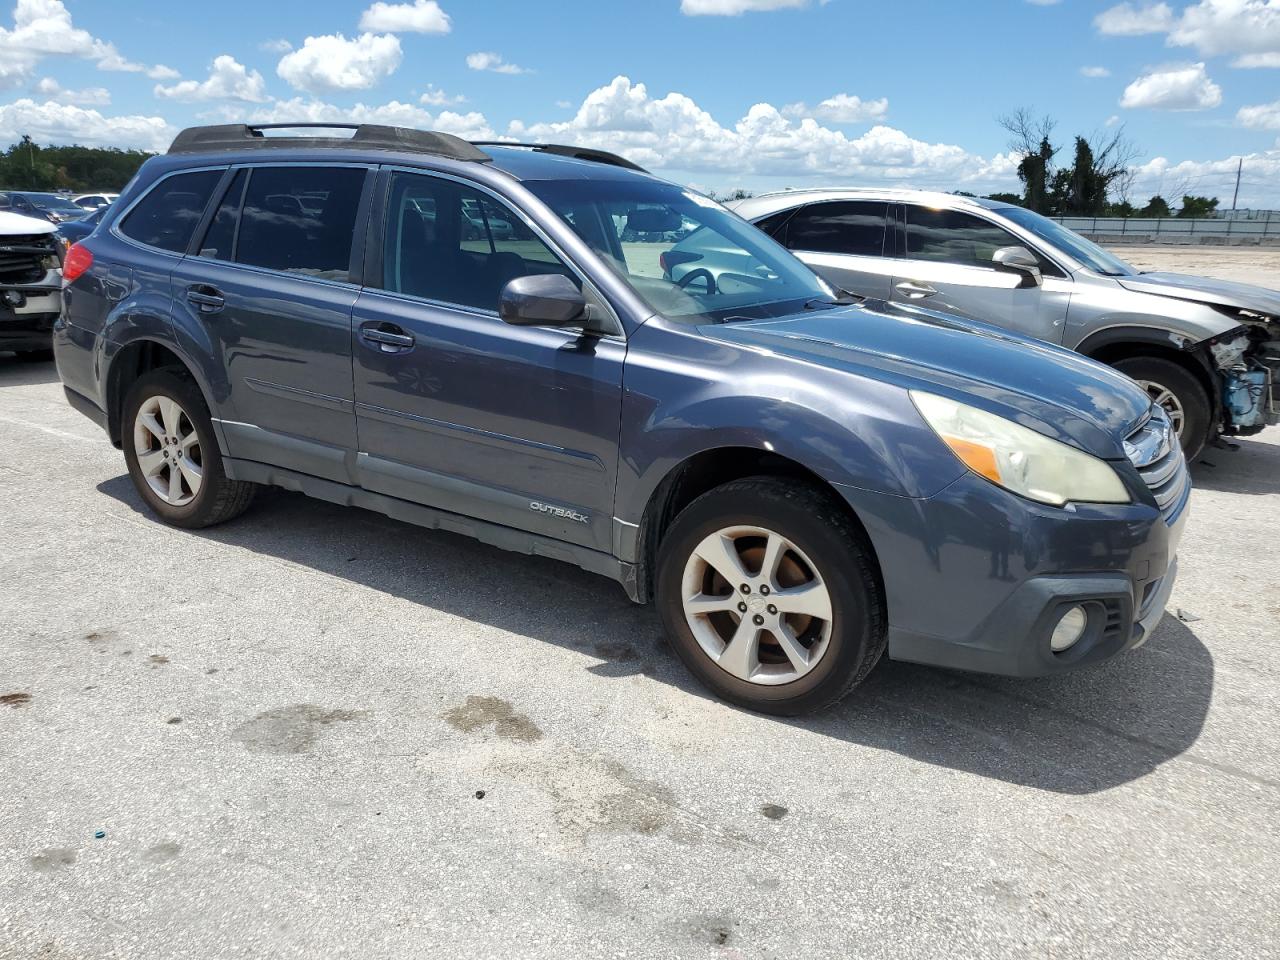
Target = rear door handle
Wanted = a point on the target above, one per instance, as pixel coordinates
(914, 291)
(208, 299)
(387, 336)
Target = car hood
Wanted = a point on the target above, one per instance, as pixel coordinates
(1054, 391)
(1227, 293)
(12, 224)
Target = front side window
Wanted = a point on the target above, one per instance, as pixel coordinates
(219, 240)
(167, 216)
(1076, 246)
(448, 242)
(686, 256)
(297, 220)
(851, 227)
(950, 236)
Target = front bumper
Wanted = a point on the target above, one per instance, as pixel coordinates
(976, 577)
(27, 324)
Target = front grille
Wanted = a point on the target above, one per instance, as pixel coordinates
(1154, 449)
(22, 257)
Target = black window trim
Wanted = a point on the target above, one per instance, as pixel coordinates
(785, 240)
(120, 216)
(377, 225)
(355, 260)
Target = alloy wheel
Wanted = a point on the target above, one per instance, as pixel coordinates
(1165, 398)
(168, 450)
(757, 606)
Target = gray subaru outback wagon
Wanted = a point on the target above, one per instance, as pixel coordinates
(799, 482)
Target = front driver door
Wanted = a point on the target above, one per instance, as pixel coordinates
(944, 263)
(461, 411)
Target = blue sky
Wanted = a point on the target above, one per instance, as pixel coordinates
(719, 93)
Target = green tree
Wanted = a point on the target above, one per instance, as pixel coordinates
(1014, 198)
(28, 166)
(1101, 166)
(1157, 206)
(1201, 207)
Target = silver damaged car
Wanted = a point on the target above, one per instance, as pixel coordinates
(1208, 351)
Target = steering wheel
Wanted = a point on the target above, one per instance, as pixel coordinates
(698, 273)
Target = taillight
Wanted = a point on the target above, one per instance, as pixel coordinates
(76, 262)
(662, 262)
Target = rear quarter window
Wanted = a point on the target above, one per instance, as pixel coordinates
(167, 216)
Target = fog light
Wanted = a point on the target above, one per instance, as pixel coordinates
(1069, 629)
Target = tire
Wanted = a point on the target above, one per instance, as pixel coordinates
(838, 645)
(205, 496)
(1159, 376)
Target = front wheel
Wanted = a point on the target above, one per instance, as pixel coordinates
(173, 456)
(1182, 396)
(769, 594)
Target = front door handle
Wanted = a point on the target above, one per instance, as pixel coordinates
(387, 336)
(914, 291)
(208, 299)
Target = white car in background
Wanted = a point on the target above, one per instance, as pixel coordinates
(30, 284)
(92, 201)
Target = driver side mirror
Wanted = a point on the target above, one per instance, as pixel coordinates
(1019, 260)
(546, 299)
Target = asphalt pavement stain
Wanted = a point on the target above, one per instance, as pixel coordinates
(51, 859)
(158, 659)
(292, 729)
(479, 712)
(162, 852)
(773, 811)
(15, 700)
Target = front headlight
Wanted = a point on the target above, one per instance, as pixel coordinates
(1019, 459)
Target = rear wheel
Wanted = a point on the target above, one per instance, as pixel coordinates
(769, 594)
(1181, 395)
(172, 454)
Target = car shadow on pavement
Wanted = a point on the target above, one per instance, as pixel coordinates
(18, 371)
(1252, 467)
(1075, 734)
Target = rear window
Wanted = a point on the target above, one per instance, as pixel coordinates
(299, 220)
(167, 216)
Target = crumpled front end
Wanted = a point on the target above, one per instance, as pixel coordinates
(1248, 361)
(30, 290)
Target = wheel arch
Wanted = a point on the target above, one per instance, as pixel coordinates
(1114, 344)
(135, 358)
(706, 470)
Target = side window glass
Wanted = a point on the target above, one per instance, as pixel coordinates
(773, 224)
(166, 216)
(448, 242)
(853, 227)
(219, 240)
(300, 220)
(4, 201)
(949, 236)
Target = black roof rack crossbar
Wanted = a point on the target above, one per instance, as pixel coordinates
(241, 136)
(565, 150)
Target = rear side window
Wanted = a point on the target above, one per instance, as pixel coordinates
(450, 243)
(949, 236)
(853, 227)
(167, 216)
(295, 219)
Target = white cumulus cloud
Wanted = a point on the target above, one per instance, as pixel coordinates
(1095, 73)
(1131, 20)
(1175, 87)
(228, 80)
(332, 62)
(50, 89)
(843, 108)
(493, 62)
(421, 16)
(43, 28)
(60, 123)
(674, 133)
(470, 126)
(435, 97)
(1262, 116)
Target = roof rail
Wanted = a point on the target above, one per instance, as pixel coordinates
(241, 136)
(564, 150)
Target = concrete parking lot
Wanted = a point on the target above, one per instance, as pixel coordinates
(316, 732)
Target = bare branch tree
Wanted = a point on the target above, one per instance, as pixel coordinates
(1026, 131)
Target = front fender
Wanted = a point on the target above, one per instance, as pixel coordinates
(686, 395)
(1099, 316)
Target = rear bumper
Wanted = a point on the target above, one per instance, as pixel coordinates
(977, 578)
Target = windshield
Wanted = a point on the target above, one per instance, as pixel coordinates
(51, 201)
(686, 256)
(1069, 242)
